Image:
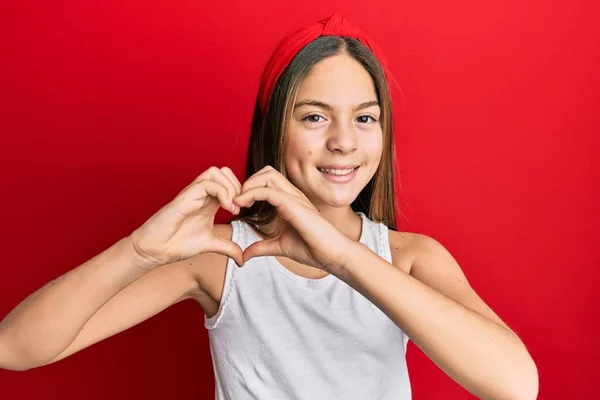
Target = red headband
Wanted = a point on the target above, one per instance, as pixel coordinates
(287, 49)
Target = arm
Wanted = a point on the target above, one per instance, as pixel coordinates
(82, 306)
(447, 320)
(147, 296)
(157, 290)
(107, 294)
(442, 314)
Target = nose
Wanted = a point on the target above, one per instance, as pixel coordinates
(341, 138)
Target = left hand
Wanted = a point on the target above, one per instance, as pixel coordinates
(307, 237)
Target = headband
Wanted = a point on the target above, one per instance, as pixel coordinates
(335, 25)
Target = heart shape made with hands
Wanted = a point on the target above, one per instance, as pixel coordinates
(306, 237)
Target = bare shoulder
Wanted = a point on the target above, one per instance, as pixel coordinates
(431, 263)
(209, 271)
(428, 261)
(418, 251)
(403, 247)
(414, 252)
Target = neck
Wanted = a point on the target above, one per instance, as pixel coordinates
(345, 220)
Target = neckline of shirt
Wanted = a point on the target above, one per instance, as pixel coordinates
(312, 282)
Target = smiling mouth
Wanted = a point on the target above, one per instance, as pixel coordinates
(337, 172)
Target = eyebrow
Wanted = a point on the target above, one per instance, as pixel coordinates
(327, 107)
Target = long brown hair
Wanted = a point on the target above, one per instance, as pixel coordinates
(266, 147)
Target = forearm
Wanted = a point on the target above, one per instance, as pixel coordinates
(48, 320)
(484, 357)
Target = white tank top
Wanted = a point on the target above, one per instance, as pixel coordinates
(281, 336)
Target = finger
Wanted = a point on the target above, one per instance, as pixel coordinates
(258, 173)
(268, 247)
(270, 178)
(226, 248)
(273, 196)
(295, 211)
(206, 173)
(217, 175)
(234, 180)
(220, 176)
(216, 190)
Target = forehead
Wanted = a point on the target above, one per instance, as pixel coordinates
(340, 81)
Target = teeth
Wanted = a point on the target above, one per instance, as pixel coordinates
(337, 171)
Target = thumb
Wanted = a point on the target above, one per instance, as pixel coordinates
(227, 248)
(268, 247)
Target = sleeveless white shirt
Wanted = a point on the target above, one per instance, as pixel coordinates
(281, 336)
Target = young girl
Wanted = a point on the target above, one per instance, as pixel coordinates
(326, 292)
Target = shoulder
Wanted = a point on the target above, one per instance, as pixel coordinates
(411, 251)
(428, 261)
(432, 264)
(402, 248)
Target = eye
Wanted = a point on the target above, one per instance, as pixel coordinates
(364, 119)
(311, 118)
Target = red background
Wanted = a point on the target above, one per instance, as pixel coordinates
(109, 109)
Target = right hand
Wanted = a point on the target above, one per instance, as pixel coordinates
(184, 227)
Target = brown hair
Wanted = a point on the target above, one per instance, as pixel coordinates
(266, 147)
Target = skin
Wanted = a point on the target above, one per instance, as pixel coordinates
(423, 290)
(341, 135)
(337, 134)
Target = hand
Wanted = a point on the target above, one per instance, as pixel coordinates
(184, 227)
(307, 237)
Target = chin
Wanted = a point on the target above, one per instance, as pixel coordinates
(337, 201)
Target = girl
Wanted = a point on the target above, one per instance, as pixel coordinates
(326, 291)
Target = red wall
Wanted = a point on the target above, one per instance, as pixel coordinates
(109, 109)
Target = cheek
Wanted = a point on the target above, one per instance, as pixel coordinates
(373, 146)
(298, 151)
(296, 154)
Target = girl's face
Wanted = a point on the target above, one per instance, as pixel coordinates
(335, 124)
